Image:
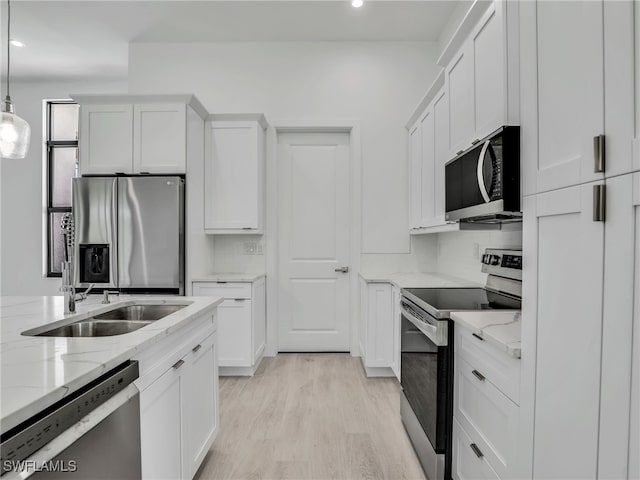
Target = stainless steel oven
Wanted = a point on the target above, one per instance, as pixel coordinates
(426, 353)
(427, 387)
(482, 184)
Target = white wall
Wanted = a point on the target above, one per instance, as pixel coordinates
(22, 201)
(456, 251)
(378, 83)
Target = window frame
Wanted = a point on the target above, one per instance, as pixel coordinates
(49, 146)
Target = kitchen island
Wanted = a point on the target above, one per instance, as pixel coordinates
(38, 371)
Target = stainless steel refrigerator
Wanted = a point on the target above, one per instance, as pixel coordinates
(129, 233)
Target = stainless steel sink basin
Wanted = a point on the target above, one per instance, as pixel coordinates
(118, 321)
(94, 328)
(140, 312)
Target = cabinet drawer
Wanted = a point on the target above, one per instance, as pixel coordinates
(466, 463)
(498, 367)
(488, 416)
(220, 289)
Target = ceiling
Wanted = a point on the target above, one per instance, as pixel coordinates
(89, 39)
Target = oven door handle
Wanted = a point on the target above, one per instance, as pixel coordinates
(438, 336)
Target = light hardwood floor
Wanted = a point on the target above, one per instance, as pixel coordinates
(310, 416)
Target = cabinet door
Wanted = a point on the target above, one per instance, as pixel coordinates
(468, 463)
(380, 326)
(441, 152)
(396, 321)
(200, 411)
(620, 324)
(489, 58)
(234, 333)
(233, 176)
(259, 319)
(415, 174)
(562, 310)
(159, 138)
(106, 139)
(636, 142)
(364, 314)
(633, 470)
(570, 72)
(459, 80)
(427, 196)
(161, 427)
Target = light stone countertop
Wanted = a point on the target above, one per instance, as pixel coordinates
(38, 371)
(418, 280)
(230, 277)
(501, 328)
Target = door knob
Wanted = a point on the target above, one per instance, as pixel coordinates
(342, 269)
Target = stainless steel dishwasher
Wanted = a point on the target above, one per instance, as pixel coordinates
(92, 434)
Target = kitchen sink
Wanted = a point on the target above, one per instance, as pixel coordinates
(95, 328)
(140, 312)
(118, 321)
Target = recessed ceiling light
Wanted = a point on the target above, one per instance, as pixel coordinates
(17, 43)
(357, 3)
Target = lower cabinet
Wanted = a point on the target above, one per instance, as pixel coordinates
(179, 417)
(241, 324)
(377, 339)
(486, 417)
(397, 325)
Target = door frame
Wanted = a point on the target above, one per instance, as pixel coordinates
(343, 125)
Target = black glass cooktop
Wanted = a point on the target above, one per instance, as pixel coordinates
(453, 299)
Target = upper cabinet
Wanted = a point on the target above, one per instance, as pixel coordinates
(577, 92)
(482, 74)
(136, 134)
(234, 174)
(476, 93)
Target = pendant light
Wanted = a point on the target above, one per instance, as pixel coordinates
(15, 133)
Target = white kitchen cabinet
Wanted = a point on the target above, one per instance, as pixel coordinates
(415, 174)
(241, 324)
(137, 134)
(397, 326)
(106, 139)
(467, 463)
(482, 76)
(179, 417)
(161, 426)
(159, 138)
(461, 100)
(562, 323)
(376, 313)
(636, 141)
(634, 414)
(441, 153)
(486, 387)
(200, 415)
(427, 184)
(574, 88)
(234, 174)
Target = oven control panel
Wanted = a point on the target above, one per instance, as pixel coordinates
(503, 262)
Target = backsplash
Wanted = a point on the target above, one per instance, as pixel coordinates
(237, 253)
(459, 253)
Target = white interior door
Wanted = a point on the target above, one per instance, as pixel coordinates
(313, 223)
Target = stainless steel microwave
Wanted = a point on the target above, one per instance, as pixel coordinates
(482, 184)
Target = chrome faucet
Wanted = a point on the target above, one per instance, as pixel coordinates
(70, 295)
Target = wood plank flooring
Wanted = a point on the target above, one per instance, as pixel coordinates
(310, 416)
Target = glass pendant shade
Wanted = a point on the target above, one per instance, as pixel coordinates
(15, 134)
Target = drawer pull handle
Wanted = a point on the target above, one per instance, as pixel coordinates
(478, 375)
(196, 348)
(459, 152)
(239, 299)
(478, 337)
(476, 450)
(178, 364)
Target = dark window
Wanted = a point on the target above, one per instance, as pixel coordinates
(62, 165)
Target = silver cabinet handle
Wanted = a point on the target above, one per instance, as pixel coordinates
(196, 348)
(459, 152)
(473, 142)
(178, 364)
(599, 203)
(478, 375)
(598, 154)
(478, 337)
(239, 299)
(476, 450)
(342, 270)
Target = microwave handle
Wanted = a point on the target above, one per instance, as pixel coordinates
(483, 190)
